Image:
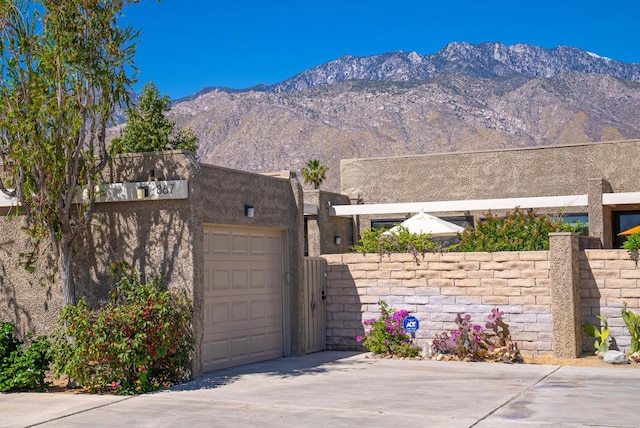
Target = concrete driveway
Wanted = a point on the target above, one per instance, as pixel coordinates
(337, 389)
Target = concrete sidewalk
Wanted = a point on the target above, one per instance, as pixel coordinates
(335, 389)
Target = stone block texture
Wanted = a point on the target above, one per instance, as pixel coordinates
(436, 289)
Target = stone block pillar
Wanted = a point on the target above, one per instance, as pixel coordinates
(565, 295)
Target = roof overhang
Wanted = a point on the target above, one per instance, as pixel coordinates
(622, 198)
(462, 206)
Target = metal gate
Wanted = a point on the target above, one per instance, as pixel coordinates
(314, 307)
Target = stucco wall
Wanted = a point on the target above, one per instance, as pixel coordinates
(438, 288)
(150, 234)
(540, 171)
(323, 228)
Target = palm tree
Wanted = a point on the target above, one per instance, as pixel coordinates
(314, 173)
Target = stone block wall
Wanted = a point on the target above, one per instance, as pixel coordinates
(607, 279)
(437, 288)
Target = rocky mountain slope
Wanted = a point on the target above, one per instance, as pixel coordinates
(465, 97)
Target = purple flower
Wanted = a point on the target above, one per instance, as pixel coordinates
(359, 339)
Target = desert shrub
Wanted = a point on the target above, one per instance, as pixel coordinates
(137, 342)
(517, 231)
(386, 335)
(600, 334)
(23, 365)
(401, 241)
(632, 321)
(476, 343)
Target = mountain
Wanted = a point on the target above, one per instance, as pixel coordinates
(465, 97)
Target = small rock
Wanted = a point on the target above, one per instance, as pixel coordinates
(439, 357)
(615, 357)
(635, 357)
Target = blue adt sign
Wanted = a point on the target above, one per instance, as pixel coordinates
(411, 324)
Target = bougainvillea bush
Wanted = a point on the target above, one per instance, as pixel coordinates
(137, 342)
(386, 335)
(473, 342)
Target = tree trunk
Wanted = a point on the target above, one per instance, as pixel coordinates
(65, 274)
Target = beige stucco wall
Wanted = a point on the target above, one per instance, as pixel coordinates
(539, 171)
(323, 228)
(149, 234)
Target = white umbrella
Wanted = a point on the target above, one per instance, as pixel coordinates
(428, 224)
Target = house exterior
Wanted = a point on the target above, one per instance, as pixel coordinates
(235, 243)
(243, 270)
(596, 182)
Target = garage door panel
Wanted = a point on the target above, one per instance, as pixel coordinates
(240, 244)
(258, 310)
(258, 278)
(258, 245)
(219, 243)
(240, 279)
(240, 312)
(243, 297)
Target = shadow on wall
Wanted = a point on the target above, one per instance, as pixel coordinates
(345, 311)
(149, 235)
(590, 305)
(22, 293)
(153, 235)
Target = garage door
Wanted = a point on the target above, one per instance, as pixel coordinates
(243, 296)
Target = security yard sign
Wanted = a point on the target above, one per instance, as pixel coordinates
(411, 324)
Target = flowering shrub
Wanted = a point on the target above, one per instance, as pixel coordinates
(23, 366)
(138, 342)
(387, 336)
(401, 241)
(473, 342)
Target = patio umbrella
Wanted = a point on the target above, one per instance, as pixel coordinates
(425, 223)
(631, 231)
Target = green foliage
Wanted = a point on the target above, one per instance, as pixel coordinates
(314, 173)
(400, 241)
(601, 336)
(148, 130)
(475, 343)
(65, 69)
(632, 322)
(23, 366)
(517, 231)
(632, 244)
(387, 336)
(137, 342)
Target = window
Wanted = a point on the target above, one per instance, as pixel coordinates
(582, 218)
(623, 220)
(386, 223)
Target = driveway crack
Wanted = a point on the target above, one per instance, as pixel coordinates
(517, 396)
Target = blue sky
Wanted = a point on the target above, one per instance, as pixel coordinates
(186, 45)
